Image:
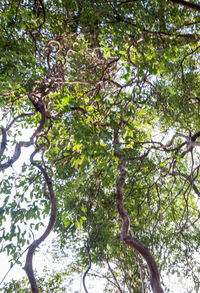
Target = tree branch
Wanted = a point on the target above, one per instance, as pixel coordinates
(131, 240)
(88, 268)
(21, 144)
(114, 277)
(16, 118)
(3, 141)
(29, 258)
(187, 4)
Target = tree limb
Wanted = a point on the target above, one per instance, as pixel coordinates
(3, 141)
(21, 144)
(88, 268)
(16, 118)
(29, 258)
(114, 277)
(131, 240)
(187, 4)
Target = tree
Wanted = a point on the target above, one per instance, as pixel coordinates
(110, 91)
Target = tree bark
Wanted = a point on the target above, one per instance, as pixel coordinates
(131, 240)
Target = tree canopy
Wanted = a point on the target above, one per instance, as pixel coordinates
(106, 96)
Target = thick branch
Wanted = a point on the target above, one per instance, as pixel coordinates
(88, 268)
(29, 258)
(131, 240)
(195, 136)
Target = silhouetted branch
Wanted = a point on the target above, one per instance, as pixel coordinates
(88, 268)
(18, 117)
(21, 144)
(3, 141)
(29, 258)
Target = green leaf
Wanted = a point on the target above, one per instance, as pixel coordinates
(171, 90)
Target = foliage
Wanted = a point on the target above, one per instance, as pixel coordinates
(53, 284)
(110, 93)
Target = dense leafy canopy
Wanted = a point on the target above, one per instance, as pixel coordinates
(106, 94)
